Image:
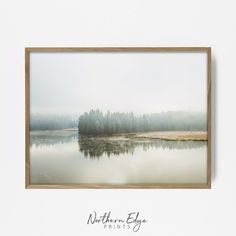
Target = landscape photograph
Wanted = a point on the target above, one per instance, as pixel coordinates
(117, 118)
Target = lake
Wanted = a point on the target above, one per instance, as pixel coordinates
(64, 157)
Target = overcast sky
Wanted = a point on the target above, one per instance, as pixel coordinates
(73, 83)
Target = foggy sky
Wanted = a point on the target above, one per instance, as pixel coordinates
(73, 83)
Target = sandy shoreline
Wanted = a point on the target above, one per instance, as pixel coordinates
(174, 135)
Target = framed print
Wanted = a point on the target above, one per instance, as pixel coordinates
(118, 117)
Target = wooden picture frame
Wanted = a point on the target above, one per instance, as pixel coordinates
(29, 51)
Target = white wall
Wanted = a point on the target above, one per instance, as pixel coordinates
(116, 23)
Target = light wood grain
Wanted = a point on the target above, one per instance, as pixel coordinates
(209, 117)
(119, 186)
(27, 119)
(118, 49)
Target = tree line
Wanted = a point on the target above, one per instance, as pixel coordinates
(52, 122)
(95, 122)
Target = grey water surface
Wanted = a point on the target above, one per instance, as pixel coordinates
(63, 157)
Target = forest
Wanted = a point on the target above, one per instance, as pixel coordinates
(95, 122)
(52, 122)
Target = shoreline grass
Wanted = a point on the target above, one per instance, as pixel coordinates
(174, 135)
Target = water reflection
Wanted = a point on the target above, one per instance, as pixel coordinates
(94, 147)
(50, 138)
(63, 157)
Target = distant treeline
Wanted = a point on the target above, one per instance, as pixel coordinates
(52, 122)
(95, 122)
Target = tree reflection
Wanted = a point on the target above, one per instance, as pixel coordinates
(95, 147)
(50, 138)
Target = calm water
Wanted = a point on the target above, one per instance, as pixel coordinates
(65, 157)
